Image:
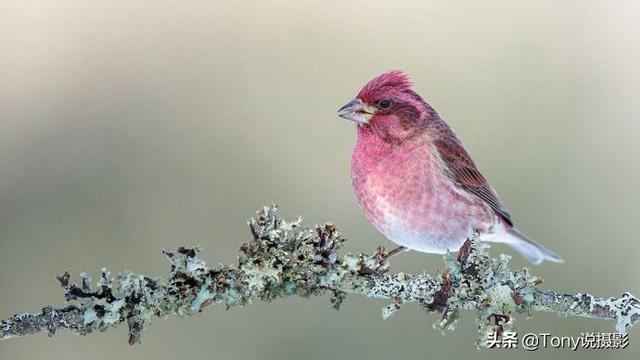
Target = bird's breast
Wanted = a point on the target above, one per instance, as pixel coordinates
(407, 196)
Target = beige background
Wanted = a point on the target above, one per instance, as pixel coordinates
(127, 127)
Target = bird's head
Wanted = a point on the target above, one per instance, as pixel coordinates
(388, 107)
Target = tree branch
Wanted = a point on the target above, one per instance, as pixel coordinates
(285, 259)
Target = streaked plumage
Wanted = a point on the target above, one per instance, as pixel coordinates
(414, 179)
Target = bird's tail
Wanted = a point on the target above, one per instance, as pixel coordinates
(529, 249)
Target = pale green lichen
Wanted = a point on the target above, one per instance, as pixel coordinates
(90, 316)
(203, 296)
(285, 259)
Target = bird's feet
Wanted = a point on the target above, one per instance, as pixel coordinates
(382, 256)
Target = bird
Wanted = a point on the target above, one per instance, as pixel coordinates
(415, 181)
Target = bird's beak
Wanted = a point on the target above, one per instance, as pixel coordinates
(356, 111)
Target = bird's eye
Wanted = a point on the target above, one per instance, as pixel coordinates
(384, 104)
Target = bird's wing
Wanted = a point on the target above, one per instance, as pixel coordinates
(462, 170)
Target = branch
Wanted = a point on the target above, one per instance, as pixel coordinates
(285, 259)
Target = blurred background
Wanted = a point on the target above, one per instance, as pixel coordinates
(128, 127)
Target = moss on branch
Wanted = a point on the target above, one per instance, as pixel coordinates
(286, 259)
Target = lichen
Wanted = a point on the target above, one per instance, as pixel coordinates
(288, 259)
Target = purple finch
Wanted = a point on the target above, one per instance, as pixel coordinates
(416, 182)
